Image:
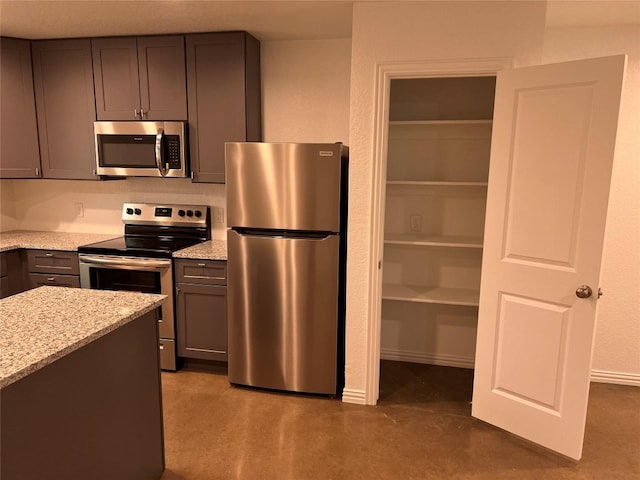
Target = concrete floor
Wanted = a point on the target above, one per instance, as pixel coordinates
(420, 429)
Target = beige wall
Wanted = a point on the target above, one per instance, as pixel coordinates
(7, 206)
(51, 204)
(305, 94)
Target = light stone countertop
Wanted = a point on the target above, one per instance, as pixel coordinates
(209, 250)
(63, 241)
(42, 325)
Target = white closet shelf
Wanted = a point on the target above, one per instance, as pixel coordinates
(441, 122)
(455, 241)
(440, 295)
(435, 183)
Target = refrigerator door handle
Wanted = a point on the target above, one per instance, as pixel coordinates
(306, 235)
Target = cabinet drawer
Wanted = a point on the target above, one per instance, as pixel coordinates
(53, 261)
(167, 354)
(210, 272)
(40, 279)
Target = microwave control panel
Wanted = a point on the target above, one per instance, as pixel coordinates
(172, 151)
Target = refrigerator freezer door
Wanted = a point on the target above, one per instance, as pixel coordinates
(285, 186)
(283, 312)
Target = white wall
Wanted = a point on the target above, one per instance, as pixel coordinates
(392, 32)
(617, 348)
(305, 99)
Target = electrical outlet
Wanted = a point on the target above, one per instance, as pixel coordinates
(79, 207)
(218, 215)
(415, 223)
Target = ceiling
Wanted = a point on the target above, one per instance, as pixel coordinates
(265, 19)
(581, 13)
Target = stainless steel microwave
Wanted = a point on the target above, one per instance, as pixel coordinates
(141, 149)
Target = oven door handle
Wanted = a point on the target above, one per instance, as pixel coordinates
(128, 263)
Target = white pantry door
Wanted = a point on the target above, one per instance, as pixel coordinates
(552, 149)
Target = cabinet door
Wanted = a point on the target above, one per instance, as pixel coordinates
(115, 67)
(202, 321)
(63, 81)
(163, 82)
(19, 155)
(223, 81)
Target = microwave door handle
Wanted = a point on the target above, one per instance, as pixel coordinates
(159, 162)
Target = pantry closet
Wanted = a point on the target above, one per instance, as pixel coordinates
(439, 141)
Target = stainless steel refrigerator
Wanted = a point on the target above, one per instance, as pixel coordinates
(286, 241)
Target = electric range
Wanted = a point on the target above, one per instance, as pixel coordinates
(140, 260)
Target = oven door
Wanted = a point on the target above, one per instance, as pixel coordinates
(136, 274)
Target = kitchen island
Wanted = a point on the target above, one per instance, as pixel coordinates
(80, 393)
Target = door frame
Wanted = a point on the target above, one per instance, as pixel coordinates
(385, 72)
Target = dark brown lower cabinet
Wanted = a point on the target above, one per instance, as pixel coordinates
(95, 413)
(54, 268)
(12, 273)
(201, 309)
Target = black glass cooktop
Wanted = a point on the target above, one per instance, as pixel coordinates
(135, 246)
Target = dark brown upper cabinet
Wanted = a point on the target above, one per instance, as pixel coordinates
(223, 82)
(65, 106)
(19, 155)
(140, 78)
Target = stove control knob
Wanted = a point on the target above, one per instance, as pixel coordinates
(189, 213)
(181, 213)
(197, 213)
(129, 211)
(137, 211)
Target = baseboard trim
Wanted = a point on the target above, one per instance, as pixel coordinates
(428, 358)
(618, 378)
(358, 396)
(350, 395)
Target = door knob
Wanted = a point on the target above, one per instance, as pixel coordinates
(584, 291)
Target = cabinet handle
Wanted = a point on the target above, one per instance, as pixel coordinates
(51, 279)
(48, 254)
(142, 114)
(135, 113)
(202, 264)
(37, 172)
